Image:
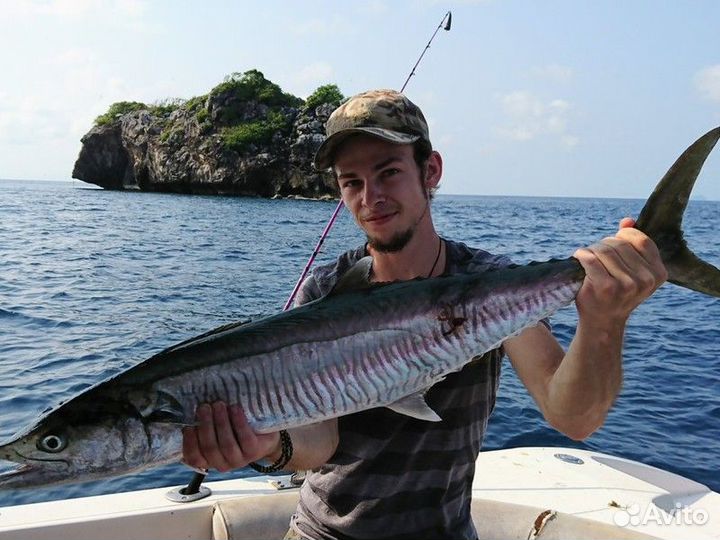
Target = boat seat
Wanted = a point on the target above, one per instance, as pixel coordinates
(267, 517)
(495, 519)
(260, 517)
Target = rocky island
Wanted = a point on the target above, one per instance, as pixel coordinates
(245, 137)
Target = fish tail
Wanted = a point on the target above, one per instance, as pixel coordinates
(661, 219)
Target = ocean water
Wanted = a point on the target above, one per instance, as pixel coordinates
(92, 282)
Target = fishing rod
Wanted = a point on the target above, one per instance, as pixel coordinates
(445, 25)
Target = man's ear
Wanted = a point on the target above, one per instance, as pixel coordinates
(434, 170)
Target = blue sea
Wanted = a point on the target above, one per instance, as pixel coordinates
(93, 282)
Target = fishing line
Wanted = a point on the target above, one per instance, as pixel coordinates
(445, 24)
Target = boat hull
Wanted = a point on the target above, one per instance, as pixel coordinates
(548, 492)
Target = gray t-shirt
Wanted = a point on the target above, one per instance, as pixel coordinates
(394, 476)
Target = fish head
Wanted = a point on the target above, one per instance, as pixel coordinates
(83, 441)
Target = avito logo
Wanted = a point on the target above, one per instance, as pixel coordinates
(681, 515)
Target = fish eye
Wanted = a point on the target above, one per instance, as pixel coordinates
(52, 443)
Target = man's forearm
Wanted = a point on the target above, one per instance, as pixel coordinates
(313, 445)
(587, 381)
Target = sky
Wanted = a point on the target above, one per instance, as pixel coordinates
(553, 98)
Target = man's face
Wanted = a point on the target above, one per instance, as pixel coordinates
(381, 185)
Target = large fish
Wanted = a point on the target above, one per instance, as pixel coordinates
(360, 347)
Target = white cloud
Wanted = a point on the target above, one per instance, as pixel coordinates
(133, 8)
(569, 141)
(443, 141)
(521, 105)
(58, 8)
(553, 72)
(73, 57)
(707, 82)
(83, 86)
(427, 99)
(74, 9)
(304, 81)
(450, 3)
(323, 27)
(374, 7)
(529, 117)
(128, 15)
(27, 120)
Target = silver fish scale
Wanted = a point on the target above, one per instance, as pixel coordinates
(382, 352)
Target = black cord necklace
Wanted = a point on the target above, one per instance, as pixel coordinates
(437, 257)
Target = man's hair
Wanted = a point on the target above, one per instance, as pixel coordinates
(422, 150)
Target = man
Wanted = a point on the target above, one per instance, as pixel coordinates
(378, 474)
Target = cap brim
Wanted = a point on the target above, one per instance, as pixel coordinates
(324, 156)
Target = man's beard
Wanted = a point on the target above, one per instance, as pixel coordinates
(399, 240)
(395, 244)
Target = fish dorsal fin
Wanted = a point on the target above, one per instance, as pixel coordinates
(415, 405)
(218, 330)
(355, 279)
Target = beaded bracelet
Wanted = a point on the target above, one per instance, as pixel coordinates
(286, 452)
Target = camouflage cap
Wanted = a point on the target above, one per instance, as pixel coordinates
(386, 114)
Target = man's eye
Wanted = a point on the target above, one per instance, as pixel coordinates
(351, 184)
(391, 172)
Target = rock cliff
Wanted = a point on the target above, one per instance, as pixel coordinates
(246, 137)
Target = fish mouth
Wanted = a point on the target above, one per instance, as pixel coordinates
(29, 472)
(25, 460)
(17, 468)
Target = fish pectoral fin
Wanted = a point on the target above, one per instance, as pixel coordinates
(415, 405)
(166, 410)
(164, 416)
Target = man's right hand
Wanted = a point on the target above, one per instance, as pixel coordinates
(223, 439)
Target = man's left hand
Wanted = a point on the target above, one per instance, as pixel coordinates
(621, 272)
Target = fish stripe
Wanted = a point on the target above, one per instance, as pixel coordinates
(298, 398)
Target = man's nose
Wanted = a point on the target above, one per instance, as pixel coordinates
(373, 194)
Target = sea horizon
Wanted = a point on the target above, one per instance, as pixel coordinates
(439, 194)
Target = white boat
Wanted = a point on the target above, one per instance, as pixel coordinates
(520, 493)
